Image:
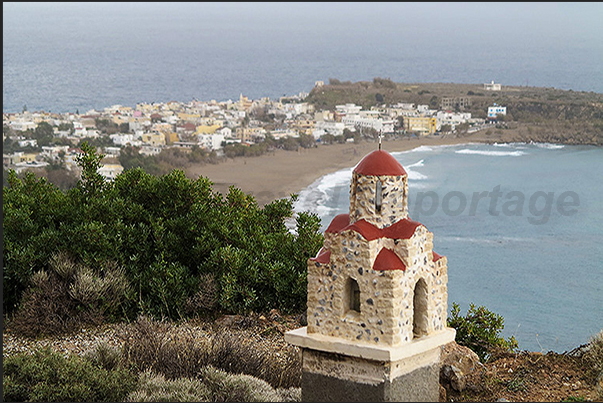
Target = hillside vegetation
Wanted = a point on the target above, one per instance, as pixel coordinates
(533, 113)
(163, 246)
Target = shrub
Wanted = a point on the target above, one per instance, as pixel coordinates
(155, 388)
(68, 296)
(104, 356)
(175, 353)
(593, 357)
(479, 330)
(289, 394)
(227, 387)
(47, 376)
(205, 300)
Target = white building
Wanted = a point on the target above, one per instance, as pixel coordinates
(149, 150)
(323, 127)
(110, 171)
(496, 110)
(211, 141)
(492, 87)
(451, 118)
(22, 125)
(28, 143)
(359, 122)
(348, 109)
(54, 151)
(121, 139)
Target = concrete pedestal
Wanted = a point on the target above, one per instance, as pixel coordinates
(339, 370)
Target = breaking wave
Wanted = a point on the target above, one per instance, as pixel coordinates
(491, 153)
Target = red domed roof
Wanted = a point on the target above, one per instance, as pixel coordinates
(323, 256)
(339, 222)
(379, 162)
(403, 229)
(388, 260)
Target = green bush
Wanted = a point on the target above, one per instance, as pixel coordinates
(479, 330)
(47, 376)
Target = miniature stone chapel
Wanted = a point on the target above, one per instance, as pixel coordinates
(377, 298)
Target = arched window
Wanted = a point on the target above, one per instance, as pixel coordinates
(378, 196)
(420, 317)
(354, 292)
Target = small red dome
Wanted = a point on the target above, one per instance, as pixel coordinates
(379, 162)
(323, 256)
(339, 222)
(388, 260)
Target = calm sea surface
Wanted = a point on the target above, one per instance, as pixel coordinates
(536, 263)
(64, 57)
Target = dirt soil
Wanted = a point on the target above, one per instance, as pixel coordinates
(529, 377)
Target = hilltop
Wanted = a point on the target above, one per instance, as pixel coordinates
(533, 113)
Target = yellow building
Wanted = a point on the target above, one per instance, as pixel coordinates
(303, 126)
(244, 103)
(248, 133)
(170, 137)
(207, 129)
(189, 117)
(153, 139)
(422, 125)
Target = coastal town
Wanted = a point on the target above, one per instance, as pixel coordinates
(36, 140)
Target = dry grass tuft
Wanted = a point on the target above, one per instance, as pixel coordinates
(178, 352)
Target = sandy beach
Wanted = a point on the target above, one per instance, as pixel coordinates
(280, 173)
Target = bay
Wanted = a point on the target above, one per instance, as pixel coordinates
(538, 267)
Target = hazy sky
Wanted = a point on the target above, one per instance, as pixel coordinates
(548, 18)
(576, 23)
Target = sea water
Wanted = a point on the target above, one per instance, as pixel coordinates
(537, 262)
(75, 56)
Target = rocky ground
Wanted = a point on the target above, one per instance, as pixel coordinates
(522, 376)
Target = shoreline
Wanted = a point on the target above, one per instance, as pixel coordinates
(280, 173)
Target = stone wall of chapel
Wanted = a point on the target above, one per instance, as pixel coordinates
(386, 305)
(362, 199)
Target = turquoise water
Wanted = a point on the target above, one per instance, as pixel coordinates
(532, 254)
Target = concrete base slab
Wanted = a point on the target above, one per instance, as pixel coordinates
(367, 374)
(420, 385)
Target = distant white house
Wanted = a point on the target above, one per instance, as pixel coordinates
(110, 171)
(323, 127)
(22, 125)
(28, 143)
(496, 110)
(492, 86)
(451, 118)
(211, 141)
(121, 139)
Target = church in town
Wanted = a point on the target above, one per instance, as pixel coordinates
(377, 298)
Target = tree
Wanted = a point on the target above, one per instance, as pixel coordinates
(92, 182)
(43, 134)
